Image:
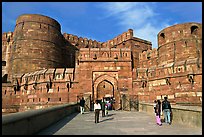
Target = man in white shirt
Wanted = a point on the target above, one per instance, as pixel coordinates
(97, 108)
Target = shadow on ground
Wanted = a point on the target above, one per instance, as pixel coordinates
(107, 119)
(55, 127)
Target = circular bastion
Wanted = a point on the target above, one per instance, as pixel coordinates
(179, 42)
(38, 43)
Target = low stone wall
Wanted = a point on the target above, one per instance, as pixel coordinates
(31, 122)
(186, 115)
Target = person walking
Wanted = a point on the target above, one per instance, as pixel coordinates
(82, 104)
(106, 108)
(155, 103)
(97, 108)
(103, 104)
(166, 108)
(158, 112)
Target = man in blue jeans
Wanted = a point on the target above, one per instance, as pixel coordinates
(82, 104)
(166, 108)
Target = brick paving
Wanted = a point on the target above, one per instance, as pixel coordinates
(116, 123)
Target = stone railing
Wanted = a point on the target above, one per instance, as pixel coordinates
(31, 122)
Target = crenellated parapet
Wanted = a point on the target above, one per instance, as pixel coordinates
(7, 37)
(104, 54)
(80, 42)
(45, 78)
(118, 39)
(41, 67)
(48, 75)
(7, 41)
(89, 43)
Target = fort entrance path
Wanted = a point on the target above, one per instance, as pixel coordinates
(116, 123)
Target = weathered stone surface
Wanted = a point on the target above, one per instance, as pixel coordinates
(41, 67)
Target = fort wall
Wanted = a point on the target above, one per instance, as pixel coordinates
(41, 67)
(37, 42)
(7, 41)
(174, 69)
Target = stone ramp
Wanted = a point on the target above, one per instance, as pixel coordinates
(116, 123)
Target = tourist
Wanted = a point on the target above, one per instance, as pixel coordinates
(82, 104)
(166, 108)
(97, 108)
(103, 107)
(158, 112)
(106, 108)
(109, 105)
(154, 106)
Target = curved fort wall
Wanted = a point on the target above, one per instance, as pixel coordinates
(175, 68)
(38, 44)
(179, 42)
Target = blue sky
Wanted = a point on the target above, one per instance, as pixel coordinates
(103, 21)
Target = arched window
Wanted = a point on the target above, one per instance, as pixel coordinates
(194, 29)
(162, 35)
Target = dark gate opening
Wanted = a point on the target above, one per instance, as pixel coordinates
(130, 102)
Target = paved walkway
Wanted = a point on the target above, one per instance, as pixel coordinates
(116, 123)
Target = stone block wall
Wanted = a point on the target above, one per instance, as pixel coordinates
(174, 68)
(7, 41)
(41, 67)
(38, 43)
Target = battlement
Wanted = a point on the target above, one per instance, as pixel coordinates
(81, 42)
(104, 54)
(38, 19)
(118, 39)
(45, 67)
(47, 75)
(7, 37)
(85, 43)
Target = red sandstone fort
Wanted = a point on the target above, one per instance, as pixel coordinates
(42, 67)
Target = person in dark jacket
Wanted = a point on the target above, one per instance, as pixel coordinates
(82, 104)
(103, 104)
(166, 108)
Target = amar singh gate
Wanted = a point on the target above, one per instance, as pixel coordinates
(42, 67)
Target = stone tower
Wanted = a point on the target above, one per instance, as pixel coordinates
(180, 42)
(38, 43)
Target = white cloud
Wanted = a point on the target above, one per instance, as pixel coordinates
(139, 16)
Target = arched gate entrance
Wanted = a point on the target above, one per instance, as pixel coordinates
(106, 86)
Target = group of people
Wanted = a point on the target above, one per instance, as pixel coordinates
(165, 106)
(104, 106)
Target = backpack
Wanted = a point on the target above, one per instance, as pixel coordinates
(165, 105)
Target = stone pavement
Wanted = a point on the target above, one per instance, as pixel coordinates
(116, 123)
